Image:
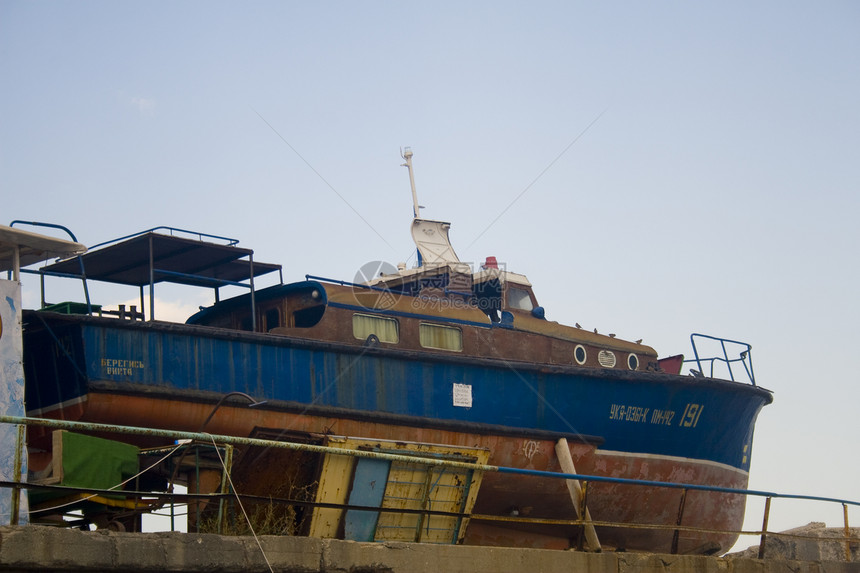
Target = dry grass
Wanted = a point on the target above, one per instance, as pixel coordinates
(264, 518)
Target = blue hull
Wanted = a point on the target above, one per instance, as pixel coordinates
(635, 412)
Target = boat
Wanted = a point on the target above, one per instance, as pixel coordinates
(437, 360)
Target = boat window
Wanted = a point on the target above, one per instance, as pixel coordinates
(273, 318)
(579, 354)
(632, 362)
(385, 329)
(307, 317)
(518, 298)
(441, 337)
(488, 297)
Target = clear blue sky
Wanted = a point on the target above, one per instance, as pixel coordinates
(713, 186)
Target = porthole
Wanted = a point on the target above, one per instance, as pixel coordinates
(632, 362)
(606, 358)
(579, 354)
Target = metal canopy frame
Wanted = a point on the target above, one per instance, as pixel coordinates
(19, 248)
(161, 255)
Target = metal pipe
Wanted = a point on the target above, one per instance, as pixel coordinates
(253, 301)
(242, 441)
(228, 468)
(41, 224)
(16, 264)
(202, 279)
(407, 155)
(726, 356)
(764, 529)
(252, 404)
(196, 486)
(230, 242)
(86, 286)
(745, 356)
(677, 534)
(151, 281)
(235, 440)
(17, 470)
(73, 237)
(583, 507)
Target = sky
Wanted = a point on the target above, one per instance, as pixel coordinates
(655, 169)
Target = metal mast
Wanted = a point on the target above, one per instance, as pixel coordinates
(406, 154)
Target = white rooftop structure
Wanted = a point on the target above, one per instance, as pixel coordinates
(19, 248)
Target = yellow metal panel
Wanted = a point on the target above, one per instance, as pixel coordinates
(417, 486)
(334, 483)
(410, 486)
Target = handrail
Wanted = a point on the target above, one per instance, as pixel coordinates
(744, 357)
(349, 284)
(244, 441)
(41, 224)
(446, 291)
(79, 257)
(200, 236)
(238, 440)
(171, 231)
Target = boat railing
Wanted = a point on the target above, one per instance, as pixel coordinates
(42, 224)
(721, 361)
(181, 438)
(445, 291)
(82, 276)
(173, 232)
(90, 308)
(347, 283)
(171, 255)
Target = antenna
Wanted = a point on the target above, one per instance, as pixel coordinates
(406, 153)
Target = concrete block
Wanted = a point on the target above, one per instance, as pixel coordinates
(285, 554)
(351, 557)
(45, 548)
(139, 553)
(659, 563)
(204, 552)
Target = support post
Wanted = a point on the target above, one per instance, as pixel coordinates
(20, 452)
(562, 450)
(583, 507)
(151, 280)
(225, 485)
(677, 534)
(764, 529)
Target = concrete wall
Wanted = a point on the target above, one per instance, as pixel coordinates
(812, 542)
(45, 549)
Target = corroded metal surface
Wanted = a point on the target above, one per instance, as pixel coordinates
(503, 495)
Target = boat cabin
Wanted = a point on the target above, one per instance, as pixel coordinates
(439, 307)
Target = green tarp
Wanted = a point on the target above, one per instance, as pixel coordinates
(97, 463)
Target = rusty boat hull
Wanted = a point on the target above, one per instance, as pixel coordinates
(637, 425)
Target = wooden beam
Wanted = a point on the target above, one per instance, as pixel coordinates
(562, 450)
